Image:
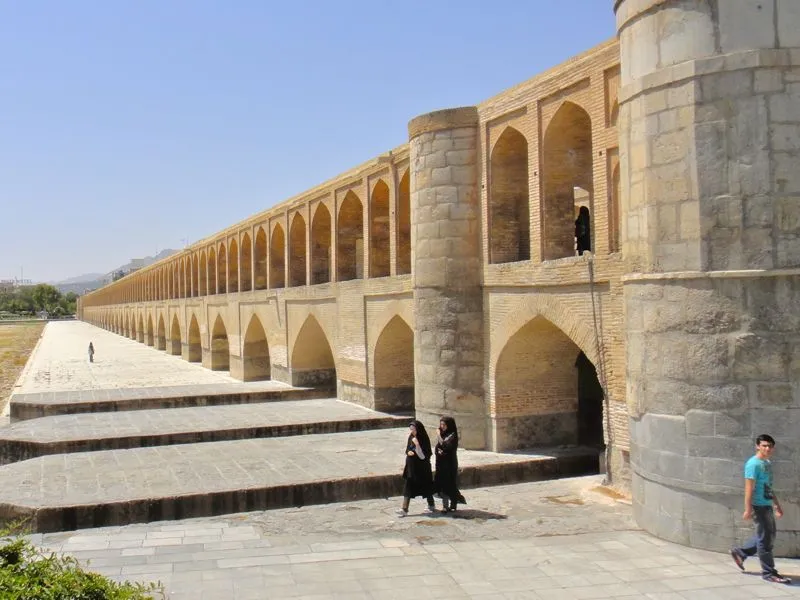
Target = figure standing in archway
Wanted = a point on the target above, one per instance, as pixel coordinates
(583, 231)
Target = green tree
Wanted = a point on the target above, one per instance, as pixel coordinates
(45, 297)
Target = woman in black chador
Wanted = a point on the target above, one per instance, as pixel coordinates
(583, 231)
(417, 473)
(446, 482)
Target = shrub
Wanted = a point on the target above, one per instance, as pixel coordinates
(28, 574)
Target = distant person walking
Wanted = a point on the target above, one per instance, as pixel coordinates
(417, 472)
(759, 499)
(91, 352)
(446, 452)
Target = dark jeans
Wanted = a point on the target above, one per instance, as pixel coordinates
(761, 543)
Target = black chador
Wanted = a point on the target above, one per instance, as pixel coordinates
(417, 472)
(446, 452)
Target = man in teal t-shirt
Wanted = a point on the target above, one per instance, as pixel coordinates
(759, 500)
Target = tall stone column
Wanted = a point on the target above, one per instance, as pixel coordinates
(710, 176)
(446, 259)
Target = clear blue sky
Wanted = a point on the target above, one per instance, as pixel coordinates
(130, 126)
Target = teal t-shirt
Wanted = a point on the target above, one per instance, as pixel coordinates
(760, 471)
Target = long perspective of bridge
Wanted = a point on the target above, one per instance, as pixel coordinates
(606, 255)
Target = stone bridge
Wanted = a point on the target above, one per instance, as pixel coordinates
(444, 276)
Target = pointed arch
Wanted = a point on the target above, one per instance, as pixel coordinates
(220, 350)
(394, 368)
(194, 287)
(193, 344)
(535, 388)
(297, 251)
(140, 330)
(222, 269)
(404, 225)
(379, 254)
(212, 271)
(161, 334)
(149, 337)
(613, 212)
(233, 267)
(185, 282)
(567, 165)
(202, 278)
(277, 258)
(246, 271)
(312, 361)
(321, 245)
(350, 247)
(260, 275)
(255, 353)
(509, 199)
(174, 346)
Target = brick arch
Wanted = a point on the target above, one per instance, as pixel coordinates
(567, 164)
(161, 334)
(393, 367)
(150, 337)
(404, 224)
(379, 230)
(277, 257)
(174, 346)
(509, 198)
(220, 346)
(260, 260)
(140, 329)
(350, 237)
(233, 266)
(297, 250)
(559, 315)
(246, 269)
(222, 269)
(395, 308)
(194, 352)
(321, 245)
(211, 264)
(312, 359)
(255, 352)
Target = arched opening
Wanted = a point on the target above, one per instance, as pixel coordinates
(173, 289)
(590, 404)
(233, 267)
(255, 355)
(509, 199)
(202, 279)
(277, 258)
(404, 226)
(567, 165)
(195, 348)
(379, 255)
(194, 281)
(312, 359)
(297, 251)
(394, 368)
(613, 213)
(220, 352)
(321, 245)
(222, 270)
(537, 390)
(149, 338)
(140, 330)
(247, 265)
(260, 276)
(185, 281)
(174, 346)
(212, 271)
(350, 247)
(161, 334)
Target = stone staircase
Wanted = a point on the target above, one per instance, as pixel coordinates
(114, 457)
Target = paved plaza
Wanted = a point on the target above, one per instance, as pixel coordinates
(569, 538)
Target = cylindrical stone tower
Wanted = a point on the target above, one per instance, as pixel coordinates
(446, 258)
(710, 171)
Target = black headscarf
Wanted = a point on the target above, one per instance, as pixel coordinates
(452, 429)
(422, 437)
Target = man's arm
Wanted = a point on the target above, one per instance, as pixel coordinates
(778, 509)
(749, 486)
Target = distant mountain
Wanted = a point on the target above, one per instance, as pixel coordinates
(91, 281)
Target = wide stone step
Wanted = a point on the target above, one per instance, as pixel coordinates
(46, 404)
(158, 427)
(117, 487)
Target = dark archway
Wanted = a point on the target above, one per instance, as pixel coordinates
(194, 346)
(297, 251)
(590, 404)
(161, 335)
(379, 264)
(174, 346)
(404, 225)
(277, 258)
(350, 247)
(233, 267)
(246, 270)
(149, 338)
(260, 275)
(321, 245)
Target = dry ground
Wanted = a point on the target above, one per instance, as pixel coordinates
(16, 343)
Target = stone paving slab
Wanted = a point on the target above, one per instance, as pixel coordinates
(142, 428)
(549, 540)
(47, 404)
(91, 489)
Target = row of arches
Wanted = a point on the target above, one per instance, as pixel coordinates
(542, 383)
(567, 184)
(275, 258)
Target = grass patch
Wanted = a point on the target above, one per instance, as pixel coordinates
(16, 343)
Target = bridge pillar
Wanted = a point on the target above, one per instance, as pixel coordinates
(446, 255)
(709, 137)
